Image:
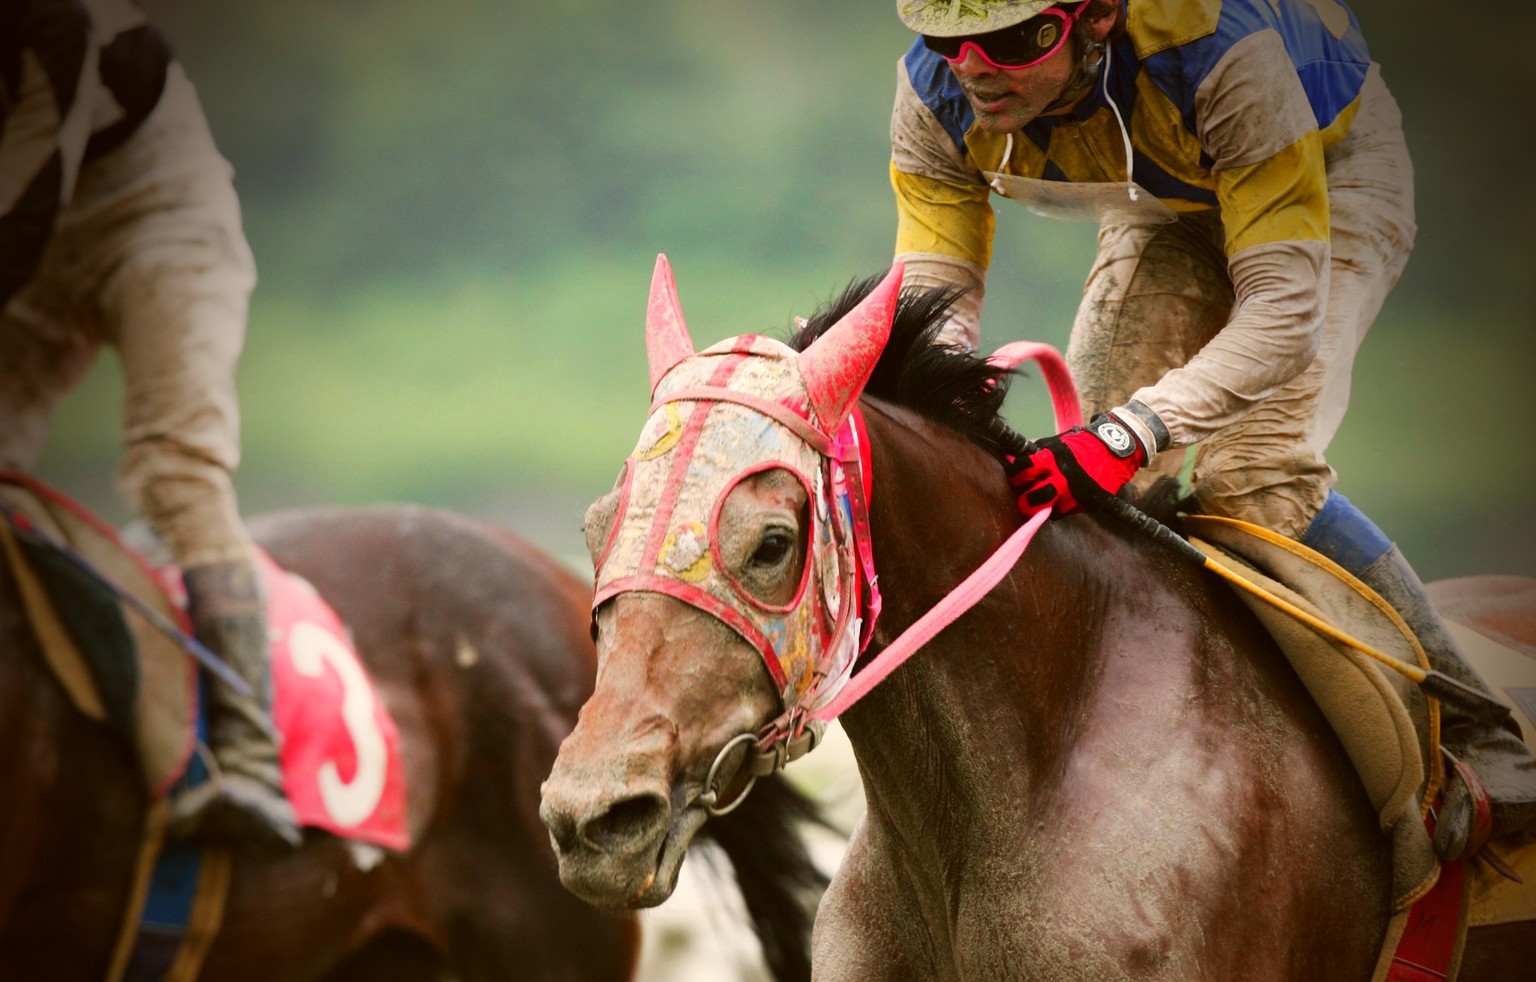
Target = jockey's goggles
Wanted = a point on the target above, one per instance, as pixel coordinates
(1022, 45)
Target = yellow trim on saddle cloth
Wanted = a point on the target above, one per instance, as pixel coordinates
(1386, 724)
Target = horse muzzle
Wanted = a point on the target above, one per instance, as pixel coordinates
(619, 845)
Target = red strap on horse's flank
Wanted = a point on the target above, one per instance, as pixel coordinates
(1427, 948)
(1482, 807)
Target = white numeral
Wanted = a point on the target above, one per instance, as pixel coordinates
(311, 648)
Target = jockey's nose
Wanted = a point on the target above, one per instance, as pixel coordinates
(972, 65)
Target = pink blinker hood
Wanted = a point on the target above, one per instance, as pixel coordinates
(720, 415)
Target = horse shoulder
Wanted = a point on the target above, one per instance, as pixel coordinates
(1201, 769)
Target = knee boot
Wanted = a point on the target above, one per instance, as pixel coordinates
(243, 798)
(1500, 759)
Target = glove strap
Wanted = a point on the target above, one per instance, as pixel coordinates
(1145, 425)
(1113, 432)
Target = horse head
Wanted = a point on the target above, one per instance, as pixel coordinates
(725, 605)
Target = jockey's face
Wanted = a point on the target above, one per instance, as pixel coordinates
(1007, 99)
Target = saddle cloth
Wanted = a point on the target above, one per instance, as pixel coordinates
(341, 761)
(1387, 726)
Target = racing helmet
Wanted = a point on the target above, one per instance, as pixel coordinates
(954, 18)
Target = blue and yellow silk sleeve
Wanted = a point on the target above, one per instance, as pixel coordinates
(934, 216)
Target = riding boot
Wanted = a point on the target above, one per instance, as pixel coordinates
(243, 798)
(1501, 761)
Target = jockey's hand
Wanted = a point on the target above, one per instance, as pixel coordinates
(1078, 469)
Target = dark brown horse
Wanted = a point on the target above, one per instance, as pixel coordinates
(1103, 770)
(480, 647)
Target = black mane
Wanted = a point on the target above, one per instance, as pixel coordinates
(945, 384)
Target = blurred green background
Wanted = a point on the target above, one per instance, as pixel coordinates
(455, 207)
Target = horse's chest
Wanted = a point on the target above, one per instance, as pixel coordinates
(1013, 917)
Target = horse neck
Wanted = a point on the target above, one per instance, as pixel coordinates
(1000, 692)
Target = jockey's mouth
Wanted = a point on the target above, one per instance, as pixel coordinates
(983, 97)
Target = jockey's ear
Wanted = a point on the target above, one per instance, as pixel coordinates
(666, 335)
(837, 365)
(1100, 22)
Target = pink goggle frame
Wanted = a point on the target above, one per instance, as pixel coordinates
(1010, 44)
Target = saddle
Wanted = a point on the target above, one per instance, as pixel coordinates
(114, 663)
(1390, 731)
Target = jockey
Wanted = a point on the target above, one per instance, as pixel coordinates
(119, 226)
(1247, 166)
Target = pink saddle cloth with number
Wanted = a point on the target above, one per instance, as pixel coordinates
(342, 769)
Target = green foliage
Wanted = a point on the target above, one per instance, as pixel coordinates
(455, 207)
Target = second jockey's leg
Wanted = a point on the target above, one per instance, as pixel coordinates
(161, 222)
(243, 799)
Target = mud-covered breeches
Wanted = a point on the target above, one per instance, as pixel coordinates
(1157, 294)
(148, 257)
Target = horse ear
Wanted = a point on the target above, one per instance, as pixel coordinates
(837, 365)
(666, 336)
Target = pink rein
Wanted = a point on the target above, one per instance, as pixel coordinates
(986, 576)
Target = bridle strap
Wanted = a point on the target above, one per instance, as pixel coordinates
(776, 411)
(702, 600)
(997, 566)
(939, 616)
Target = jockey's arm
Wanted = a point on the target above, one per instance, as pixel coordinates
(177, 312)
(181, 428)
(944, 220)
(1257, 126)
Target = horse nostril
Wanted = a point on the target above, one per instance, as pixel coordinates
(625, 821)
(561, 824)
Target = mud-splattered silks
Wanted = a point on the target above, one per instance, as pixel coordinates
(744, 406)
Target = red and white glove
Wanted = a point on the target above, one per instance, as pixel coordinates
(1078, 469)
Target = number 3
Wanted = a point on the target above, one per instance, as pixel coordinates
(311, 648)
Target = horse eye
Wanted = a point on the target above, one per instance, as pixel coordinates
(773, 550)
